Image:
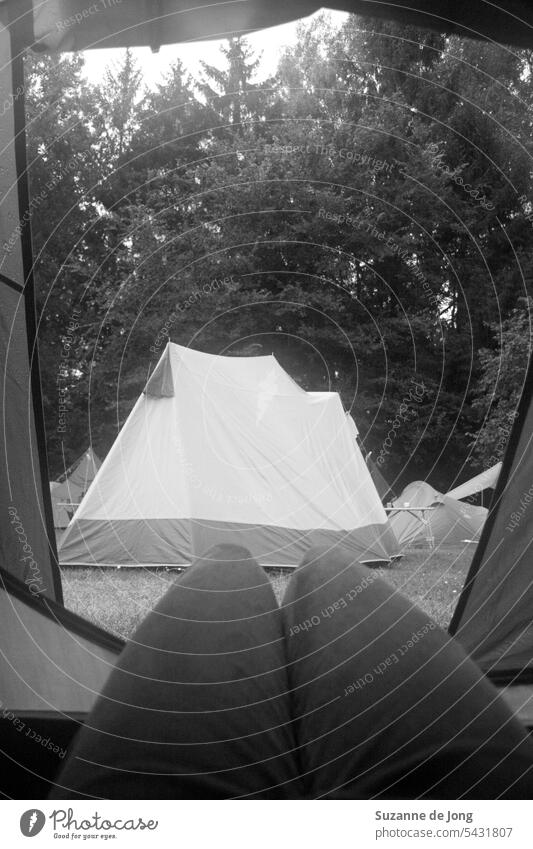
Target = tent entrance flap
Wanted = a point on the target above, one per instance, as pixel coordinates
(78, 25)
(493, 618)
(27, 546)
(53, 665)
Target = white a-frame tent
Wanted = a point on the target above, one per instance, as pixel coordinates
(223, 449)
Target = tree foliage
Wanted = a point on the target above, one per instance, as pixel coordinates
(360, 214)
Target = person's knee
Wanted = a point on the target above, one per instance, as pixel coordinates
(322, 570)
(323, 563)
(224, 566)
(226, 552)
(332, 557)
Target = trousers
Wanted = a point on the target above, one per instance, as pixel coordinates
(347, 690)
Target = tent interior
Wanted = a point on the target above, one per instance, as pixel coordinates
(52, 663)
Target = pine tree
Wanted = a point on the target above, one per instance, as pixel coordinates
(232, 92)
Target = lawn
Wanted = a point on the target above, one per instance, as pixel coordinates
(118, 599)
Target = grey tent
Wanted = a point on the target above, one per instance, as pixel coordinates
(424, 515)
(493, 618)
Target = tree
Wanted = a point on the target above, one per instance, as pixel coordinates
(357, 215)
(61, 171)
(500, 384)
(231, 93)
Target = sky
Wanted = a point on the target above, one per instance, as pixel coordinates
(153, 65)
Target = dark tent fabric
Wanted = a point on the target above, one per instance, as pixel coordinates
(69, 24)
(53, 665)
(27, 541)
(494, 616)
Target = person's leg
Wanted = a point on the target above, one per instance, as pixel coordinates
(197, 706)
(385, 703)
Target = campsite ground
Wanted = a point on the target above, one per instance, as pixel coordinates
(118, 599)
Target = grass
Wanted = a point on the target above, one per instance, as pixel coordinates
(430, 579)
(118, 599)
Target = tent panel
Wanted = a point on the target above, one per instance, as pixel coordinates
(27, 546)
(59, 498)
(519, 697)
(273, 459)
(171, 542)
(493, 619)
(78, 470)
(231, 372)
(45, 667)
(407, 526)
(11, 265)
(140, 477)
(485, 480)
(453, 524)
(23, 544)
(28, 767)
(352, 425)
(84, 471)
(127, 542)
(389, 540)
(53, 664)
(73, 25)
